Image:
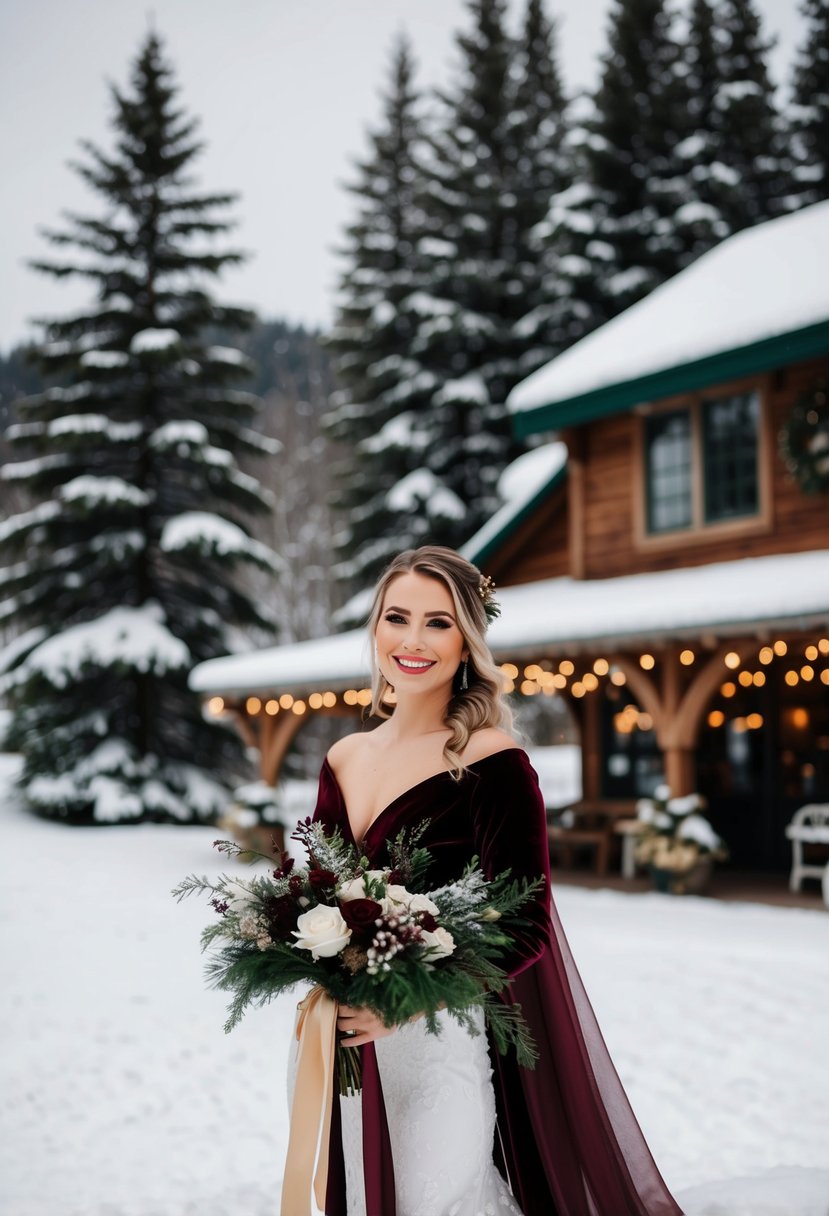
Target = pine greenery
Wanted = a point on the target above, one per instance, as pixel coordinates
(124, 566)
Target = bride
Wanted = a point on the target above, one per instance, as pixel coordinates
(445, 1126)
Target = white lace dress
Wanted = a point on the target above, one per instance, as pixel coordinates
(440, 1108)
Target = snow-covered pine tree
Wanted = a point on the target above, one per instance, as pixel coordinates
(383, 388)
(124, 569)
(497, 134)
(810, 108)
(618, 227)
(752, 182)
(700, 223)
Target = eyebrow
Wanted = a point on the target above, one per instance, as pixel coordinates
(405, 612)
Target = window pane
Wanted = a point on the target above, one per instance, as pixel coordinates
(668, 471)
(729, 440)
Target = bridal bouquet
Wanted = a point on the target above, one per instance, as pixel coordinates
(367, 937)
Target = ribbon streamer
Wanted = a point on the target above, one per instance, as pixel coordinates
(316, 1031)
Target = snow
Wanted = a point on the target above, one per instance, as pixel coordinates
(763, 282)
(470, 388)
(154, 339)
(518, 485)
(134, 637)
(211, 534)
(94, 491)
(179, 431)
(227, 354)
(94, 424)
(419, 487)
(104, 359)
(121, 1078)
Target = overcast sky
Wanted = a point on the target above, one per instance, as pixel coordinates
(285, 90)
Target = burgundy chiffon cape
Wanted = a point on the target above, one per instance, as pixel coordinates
(567, 1139)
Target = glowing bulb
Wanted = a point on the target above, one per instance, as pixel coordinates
(315, 700)
(509, 670)
(216, 705)
(811, 653)
(271, 707)
(791, 678)
(350, 696)
(806, 672)
(728, 689)
(732, 660)
(253, 705)
(532, 672)
(780, 648)
(286, 700)
(766, 654)
(617, 677)
(601, 667)
(577, 689)
(298, 708)
(716, 718)
(759, 679)
(686, 657)
(754, 721)
(647, 662)
(745, 678)
(566, 667)
(329, 699)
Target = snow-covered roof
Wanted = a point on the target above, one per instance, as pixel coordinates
(758, 300)
(521, 485)
(724, 598)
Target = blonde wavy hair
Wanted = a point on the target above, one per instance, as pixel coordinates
(482, 703)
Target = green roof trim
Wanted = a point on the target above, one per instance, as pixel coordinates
(477, 556)
(762, 356)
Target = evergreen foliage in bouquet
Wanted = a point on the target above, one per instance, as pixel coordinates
(368, 937)
(674, 833)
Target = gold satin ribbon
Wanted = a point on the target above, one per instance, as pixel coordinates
(316, 1030)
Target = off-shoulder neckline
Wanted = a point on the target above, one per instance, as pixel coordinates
(425, 780)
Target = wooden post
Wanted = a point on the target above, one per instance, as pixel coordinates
(591, 747)
(575, 501)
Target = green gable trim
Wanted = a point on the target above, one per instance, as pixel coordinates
(763, 356)
(477, 556)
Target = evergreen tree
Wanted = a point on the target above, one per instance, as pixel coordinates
(383, 387)
(630, 150)
(810, 108)
(491, 164)
(124, 568)
(751, 182)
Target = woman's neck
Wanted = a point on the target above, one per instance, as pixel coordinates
(416, 716)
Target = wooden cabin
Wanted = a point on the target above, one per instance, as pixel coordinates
(661, 567)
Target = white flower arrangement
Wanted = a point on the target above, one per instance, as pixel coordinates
(674, 832)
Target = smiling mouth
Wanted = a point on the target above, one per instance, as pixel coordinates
(413, 665)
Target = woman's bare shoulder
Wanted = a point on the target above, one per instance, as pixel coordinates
(345, 749)
(486, 742)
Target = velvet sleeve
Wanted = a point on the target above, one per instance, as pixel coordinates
(509, 825)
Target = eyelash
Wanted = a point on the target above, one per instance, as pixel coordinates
(394, 618)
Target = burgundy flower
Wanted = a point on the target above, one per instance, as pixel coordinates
(280, 912)
(286, 864)
(360, 915)
(320, 879)
(427, 922)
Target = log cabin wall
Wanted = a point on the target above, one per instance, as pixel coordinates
(613, 479)
(538, 547)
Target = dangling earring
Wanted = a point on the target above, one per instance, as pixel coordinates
(464, 684)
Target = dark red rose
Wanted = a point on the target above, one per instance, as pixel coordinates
(286, 864)
(360, 915)
(398, 878)
(427, 922)
(320, 879)
(280, 912)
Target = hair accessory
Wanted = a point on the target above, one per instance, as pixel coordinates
(486, 590)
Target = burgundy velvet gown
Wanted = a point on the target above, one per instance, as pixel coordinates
(567, 1140)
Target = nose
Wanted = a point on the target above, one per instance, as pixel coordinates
(414, 637)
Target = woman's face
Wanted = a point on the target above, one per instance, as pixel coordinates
(419, 644)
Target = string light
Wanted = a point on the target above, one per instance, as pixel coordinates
(807, 673)
(791, 678)
(529, 688)
(800, 718)
(824, 675)
(732, 660)
(766, 654)
(811, 653)
(350, 696)
(759, 679)
(601, 667)
(745, 678)
(253, 705)
(728, 689)
(617, 677)
(823, 645)
(216, 705)
(532, 672)
(686, 657)
(286, 700)
(315, 700)
(510, 670)
(566, 667)
(271, 707)
(559, 681)
(647, 662)
(716, 718)
(364, 696)
(590, 681)
(329, 699)
(754, 721)
(578, 689)
(298, 708)
(780, 648)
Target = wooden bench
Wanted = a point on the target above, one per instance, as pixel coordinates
(591, 824)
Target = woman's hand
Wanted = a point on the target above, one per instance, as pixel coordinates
(361, 1026)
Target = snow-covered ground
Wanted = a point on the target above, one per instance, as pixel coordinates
(121, 1095)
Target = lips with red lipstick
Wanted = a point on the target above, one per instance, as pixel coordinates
(412, 665)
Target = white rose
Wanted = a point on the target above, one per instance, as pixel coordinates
(321, 930)
(400, 897)
(355, 888)
(238, 897)
(422, 903)
(440, 943)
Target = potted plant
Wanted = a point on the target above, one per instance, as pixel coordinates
(677, 842)
(254, 820)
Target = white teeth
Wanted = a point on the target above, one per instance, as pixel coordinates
(412, 663)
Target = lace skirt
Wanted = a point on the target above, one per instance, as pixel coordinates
(440, 1107)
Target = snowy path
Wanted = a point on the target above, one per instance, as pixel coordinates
(121, 1096)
